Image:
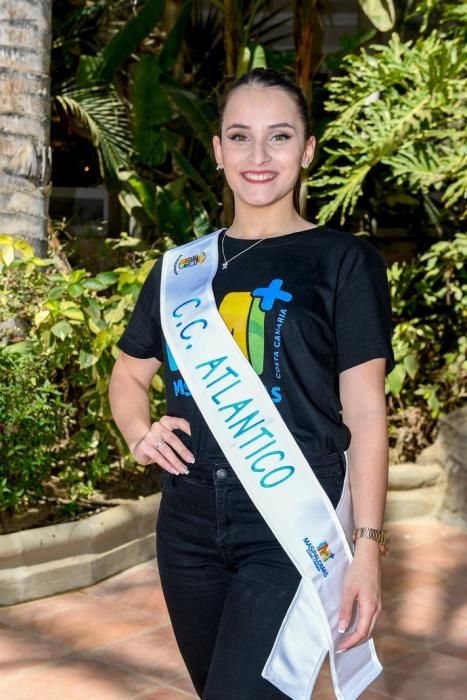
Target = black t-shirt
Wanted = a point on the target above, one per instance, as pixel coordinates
(303, 307)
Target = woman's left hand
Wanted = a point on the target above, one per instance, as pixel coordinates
(362, 585)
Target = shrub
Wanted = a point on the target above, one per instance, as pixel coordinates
(396, 117)
(34, 417)
(71, 321)
(429, 303)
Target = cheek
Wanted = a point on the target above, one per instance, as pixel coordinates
(232, 154)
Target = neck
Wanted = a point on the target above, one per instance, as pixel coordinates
(268, 221)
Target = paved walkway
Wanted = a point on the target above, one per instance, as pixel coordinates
(113, 640)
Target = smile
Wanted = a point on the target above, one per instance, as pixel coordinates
(265, 176)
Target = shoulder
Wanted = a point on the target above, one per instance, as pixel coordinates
(351, 254)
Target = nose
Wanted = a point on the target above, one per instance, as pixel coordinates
(259, 152)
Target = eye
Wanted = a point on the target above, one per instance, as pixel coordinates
(238, 137)
(281, 137)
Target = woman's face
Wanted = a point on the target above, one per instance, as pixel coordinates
(262, 145)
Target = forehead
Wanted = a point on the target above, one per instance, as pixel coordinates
(253, 104)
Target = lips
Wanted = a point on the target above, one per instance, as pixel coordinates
(259, 176)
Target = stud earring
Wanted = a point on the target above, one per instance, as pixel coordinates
(219, 167)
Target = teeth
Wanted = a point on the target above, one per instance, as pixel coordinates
(251, 176)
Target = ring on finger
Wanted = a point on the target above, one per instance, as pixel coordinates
(159, 445)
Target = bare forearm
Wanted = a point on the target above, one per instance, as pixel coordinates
(368, 463)
(129, 402)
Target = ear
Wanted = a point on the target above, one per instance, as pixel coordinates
(309, 149)
(216, 144)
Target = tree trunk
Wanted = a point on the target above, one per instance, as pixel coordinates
(25, 42)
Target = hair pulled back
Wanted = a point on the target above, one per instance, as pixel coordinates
(270, 77)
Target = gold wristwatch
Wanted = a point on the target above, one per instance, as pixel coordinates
(379, 536)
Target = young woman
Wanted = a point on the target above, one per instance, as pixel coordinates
(316, 303)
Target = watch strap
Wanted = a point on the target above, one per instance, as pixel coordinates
(379, 536)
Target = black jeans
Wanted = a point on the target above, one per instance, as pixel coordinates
(226, 580)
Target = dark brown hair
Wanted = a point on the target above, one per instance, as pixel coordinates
(269, 77)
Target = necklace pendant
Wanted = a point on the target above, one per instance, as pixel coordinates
(225, 265)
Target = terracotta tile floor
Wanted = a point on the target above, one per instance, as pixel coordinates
(113, 640)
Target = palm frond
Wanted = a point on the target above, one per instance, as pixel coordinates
(103, 115)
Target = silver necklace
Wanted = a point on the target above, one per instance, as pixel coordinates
(226, 262)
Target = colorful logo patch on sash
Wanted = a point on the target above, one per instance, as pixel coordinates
(319, 555)
(324, 551)
(181, 263)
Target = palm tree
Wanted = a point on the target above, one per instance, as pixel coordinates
(25, 36)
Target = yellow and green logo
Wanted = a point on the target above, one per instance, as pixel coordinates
(244, 314)
(243, 317)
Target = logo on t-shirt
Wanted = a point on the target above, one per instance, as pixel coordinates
(244, 314)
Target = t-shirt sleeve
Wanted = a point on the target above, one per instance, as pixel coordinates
(142, 337)
(363, 319)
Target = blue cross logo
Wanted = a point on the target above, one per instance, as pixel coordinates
(268, 295)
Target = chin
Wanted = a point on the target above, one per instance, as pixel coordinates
(262, 200)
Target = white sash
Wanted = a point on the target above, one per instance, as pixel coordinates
(275, 474)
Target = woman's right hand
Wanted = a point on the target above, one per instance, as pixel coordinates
(161, 446)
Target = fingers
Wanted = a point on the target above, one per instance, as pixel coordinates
(345, 613)
(154, 455)
(162, 447)
(172, 423)
(367, 615)
(177, 446)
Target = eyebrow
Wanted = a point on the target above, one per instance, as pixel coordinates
(281, 125)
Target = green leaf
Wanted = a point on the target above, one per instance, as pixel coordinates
(115, 315)
(71, 310)
(396, 379)
(93, 309)
(193, 174)
(127, 40)
(174, 39)
(61, 330)
(411, 365)
(7, 253)
(102, 340)
(194, 111)
(87, 359)
(243, 62)
(151, 107)
(41, 316)
(96, 327)
(76, 276)
(75, 289)
(259, 58)
(107, 278)
(381, 13)
(23, 347)
(88, 68)
(133, 206)
(100, 281)
(145, 192)
(179, 216)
